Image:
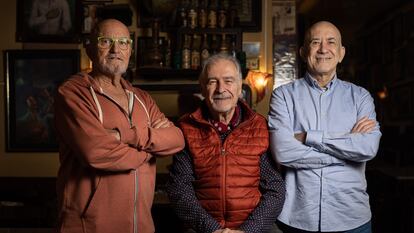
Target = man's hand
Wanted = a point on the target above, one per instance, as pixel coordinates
(161, 123)
(114, 133)
(363, 125)
(301, 137)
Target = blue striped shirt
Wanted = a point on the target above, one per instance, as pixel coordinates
(325, 175)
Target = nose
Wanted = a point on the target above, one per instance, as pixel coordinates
(220, 87)
(115, 47)
(322, 47)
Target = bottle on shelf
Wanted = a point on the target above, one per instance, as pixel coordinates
(214, 44)
(186, 53)
(205, 50)
(183, 13)
(233, 47)
(224, 48)
(192, 14)
(195, 53)
(212, 14)
(222, 15)
(168, 54)
(232, 16)
(202, 14)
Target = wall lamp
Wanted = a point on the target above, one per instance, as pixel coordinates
(258, 80)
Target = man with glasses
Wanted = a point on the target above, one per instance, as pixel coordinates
(110, 134)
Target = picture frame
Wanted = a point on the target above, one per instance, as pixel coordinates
(89, 17)
(31, 80)
(249, 14)
(57, 23)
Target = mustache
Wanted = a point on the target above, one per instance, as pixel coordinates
(220, 96)
(114, 56)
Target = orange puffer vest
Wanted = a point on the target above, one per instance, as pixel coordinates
(227, 175)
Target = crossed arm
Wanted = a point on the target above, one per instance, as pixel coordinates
(318, 148)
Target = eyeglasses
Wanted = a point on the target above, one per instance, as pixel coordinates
(107, 42)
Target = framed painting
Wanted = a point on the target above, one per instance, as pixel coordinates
(249, 14)
(31, 80)
(55, 21)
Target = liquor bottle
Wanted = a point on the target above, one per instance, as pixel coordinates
(222, 15)
(232, 16)
(195, 53)
(203, 14)
(224, 48)
(183, 20)
(214, 44)
(205, 53)
(186, 53)
(212, 14)
(168, 54)
(233, 48)
(192, 14)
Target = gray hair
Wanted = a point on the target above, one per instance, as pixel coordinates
(214, 59)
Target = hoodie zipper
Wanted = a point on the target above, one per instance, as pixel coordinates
(135, 200)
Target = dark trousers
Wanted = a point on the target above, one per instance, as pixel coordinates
(366, 228)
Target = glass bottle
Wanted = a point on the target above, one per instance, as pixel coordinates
(224, 48)
(192, 14)
(212, 14)
(195, 53)
(168, 54)
(186, 53)
(205, 53)
(222, 15)
(203, 14)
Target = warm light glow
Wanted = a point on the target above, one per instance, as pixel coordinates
(258, 80)
(382, 94)
(89, 68)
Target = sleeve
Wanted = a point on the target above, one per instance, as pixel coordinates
(183, 198)
(284, 147)
(271, 203)
(80, 131)
(161, 141)
(35, 17)
(356, 147)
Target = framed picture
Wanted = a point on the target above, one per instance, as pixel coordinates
(55, 21)
(249, 14)
(31, 78)
(89, 17)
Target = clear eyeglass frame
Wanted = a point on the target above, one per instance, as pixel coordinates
(105, 42)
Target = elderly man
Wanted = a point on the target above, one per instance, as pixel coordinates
(110, 134)
(323, 131)
(224, 181)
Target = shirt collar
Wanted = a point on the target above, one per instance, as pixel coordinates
(224, 128)
(313, 83)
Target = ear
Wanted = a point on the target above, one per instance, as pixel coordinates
(342, 54)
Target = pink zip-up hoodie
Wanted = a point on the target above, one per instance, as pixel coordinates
(105, 185)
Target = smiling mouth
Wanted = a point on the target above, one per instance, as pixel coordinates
(221, 98)
(322, 59)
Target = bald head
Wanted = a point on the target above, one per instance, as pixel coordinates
(322, 25)
(322, 50)
(105, 24)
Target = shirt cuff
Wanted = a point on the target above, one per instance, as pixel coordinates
(314, 138)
